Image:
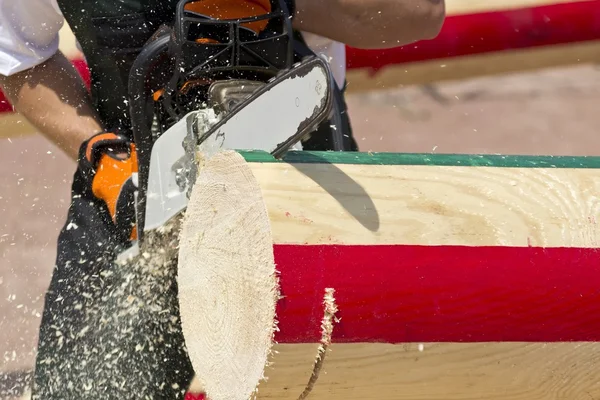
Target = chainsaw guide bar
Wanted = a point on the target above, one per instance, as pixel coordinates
(274, 118)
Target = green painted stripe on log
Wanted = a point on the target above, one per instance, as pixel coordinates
(469, 160)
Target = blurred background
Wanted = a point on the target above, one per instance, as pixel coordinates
(504, 76)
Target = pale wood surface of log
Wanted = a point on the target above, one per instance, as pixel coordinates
(439, 371)
(430, 205)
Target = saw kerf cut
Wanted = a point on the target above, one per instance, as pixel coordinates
(326, 332)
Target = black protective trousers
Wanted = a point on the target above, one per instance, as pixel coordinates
(108, 331)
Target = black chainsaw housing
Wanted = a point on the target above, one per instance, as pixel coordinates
(172, 74)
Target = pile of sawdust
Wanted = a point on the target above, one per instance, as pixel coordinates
(127, 343)
(13, 385)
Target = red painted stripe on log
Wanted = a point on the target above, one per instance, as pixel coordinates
(398, 294)
(195, 396)
(471, 34)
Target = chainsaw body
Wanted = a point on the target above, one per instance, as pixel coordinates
(209, 83)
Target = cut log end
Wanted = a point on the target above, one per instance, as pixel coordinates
(228, 287)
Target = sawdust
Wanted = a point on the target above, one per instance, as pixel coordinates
(14, 384)
(326, 332)
(124, 340)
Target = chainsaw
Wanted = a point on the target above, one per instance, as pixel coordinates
(214, 81)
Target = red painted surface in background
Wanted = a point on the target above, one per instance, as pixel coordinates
(472, 34)
(402, 293)
(478, 33)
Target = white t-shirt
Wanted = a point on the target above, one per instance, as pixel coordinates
(28, 33)
(29, 36)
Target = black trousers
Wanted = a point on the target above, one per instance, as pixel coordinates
(108, 331)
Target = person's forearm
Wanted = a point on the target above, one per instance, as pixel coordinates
(54, 99)
(371, 23)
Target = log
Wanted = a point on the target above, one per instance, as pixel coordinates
(450, 276)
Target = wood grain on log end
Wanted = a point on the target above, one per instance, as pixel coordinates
(228, 286)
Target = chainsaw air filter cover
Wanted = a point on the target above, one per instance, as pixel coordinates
(212, 36)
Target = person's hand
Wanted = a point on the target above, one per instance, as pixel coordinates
(108, 162)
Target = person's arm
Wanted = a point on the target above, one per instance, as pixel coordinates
(371, 24)
(53, 98)
(37, 78)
